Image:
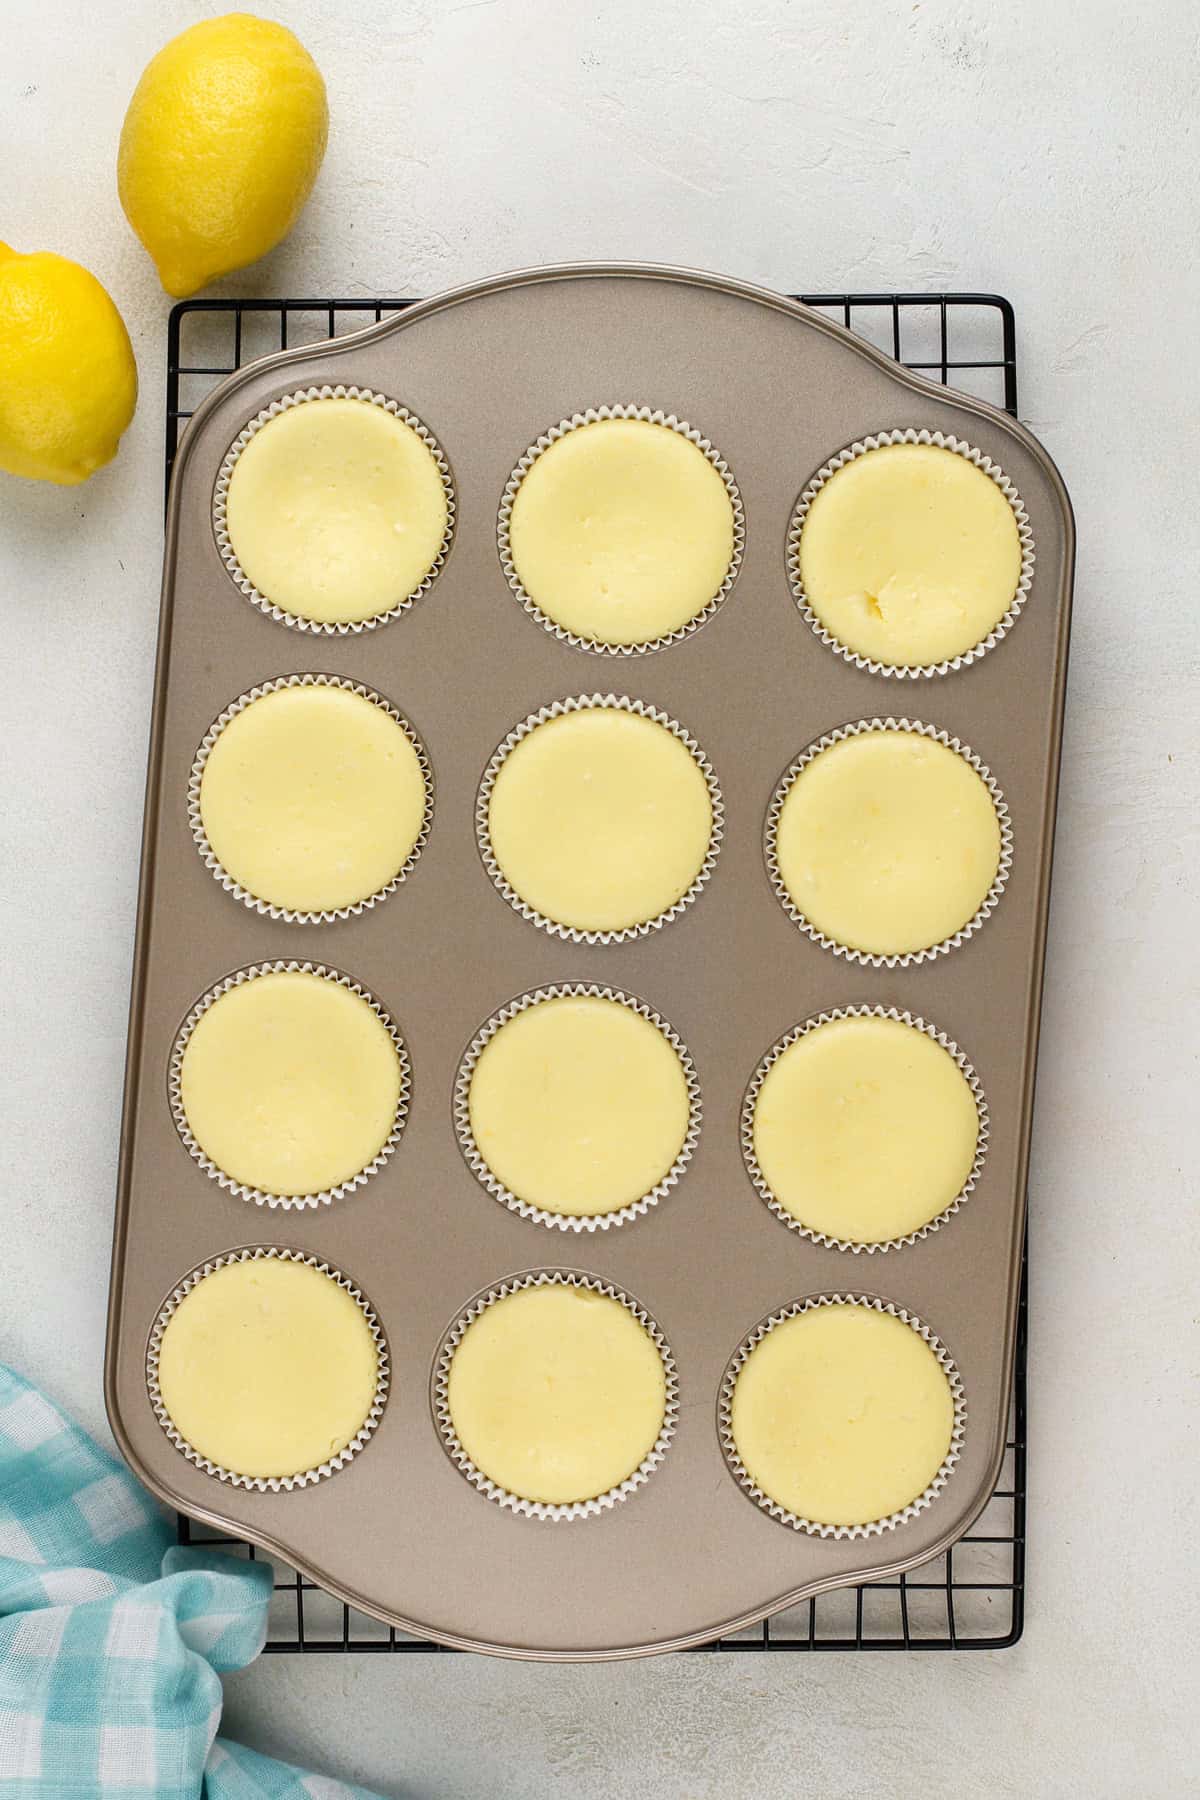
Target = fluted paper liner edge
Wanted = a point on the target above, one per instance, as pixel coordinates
(539, 1509)
(268, 909)
(477, 1162)
(750, 1103)
(592, 416)
(813, 1528)
(243, 1190)
(890, 959)
(228, 555)
(268, 1484)
(983, 462)
(559, 709)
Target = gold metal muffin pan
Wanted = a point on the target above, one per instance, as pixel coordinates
(400, 1533)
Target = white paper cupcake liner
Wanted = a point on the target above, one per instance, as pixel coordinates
(750, 1103)
(331, 628)
(268, 1484)
(943, 442)
(175, 1089)
(649, 416)
(537, 1509)
(870, 958)
(476, 1162)
(582, 703)
(267, 908)
(876, 1527)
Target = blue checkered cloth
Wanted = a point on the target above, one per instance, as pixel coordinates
(113, 1639)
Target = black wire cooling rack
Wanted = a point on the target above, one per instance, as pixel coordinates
(973, 1597)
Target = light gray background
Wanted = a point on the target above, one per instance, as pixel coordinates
(1046, 151)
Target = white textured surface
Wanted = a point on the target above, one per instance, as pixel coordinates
(1046, 151)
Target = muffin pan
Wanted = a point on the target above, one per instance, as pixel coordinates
(398, 1532)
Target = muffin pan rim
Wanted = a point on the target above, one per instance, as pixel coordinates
(828, 1016)
(813, 1528)
(268, 908)
(898, 959)
(245, 1190)
(558, 709)
(229, 556)
(979, 459)
(268, 1484)
(549, 1512)
(477, 1163)
(593, 415)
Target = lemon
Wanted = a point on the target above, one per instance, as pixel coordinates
(68, 381)
(220, 147)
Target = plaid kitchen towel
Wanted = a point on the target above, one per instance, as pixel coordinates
(113, 1639)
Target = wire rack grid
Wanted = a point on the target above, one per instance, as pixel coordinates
(973, 1597)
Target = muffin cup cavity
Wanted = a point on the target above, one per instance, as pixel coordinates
(268, 909)
(649, 416)
(327, 628)
(876, 1527)
(476, 1162)
(559, 709)
(893, 959)
(264, 1484)
(175, 1087)
(942, 441)
(750, 1102)
(537, 1509)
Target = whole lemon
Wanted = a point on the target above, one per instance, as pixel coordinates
(220, 147)
(68, 381)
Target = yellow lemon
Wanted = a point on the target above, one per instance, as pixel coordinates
(68, 381)
(220, 147)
